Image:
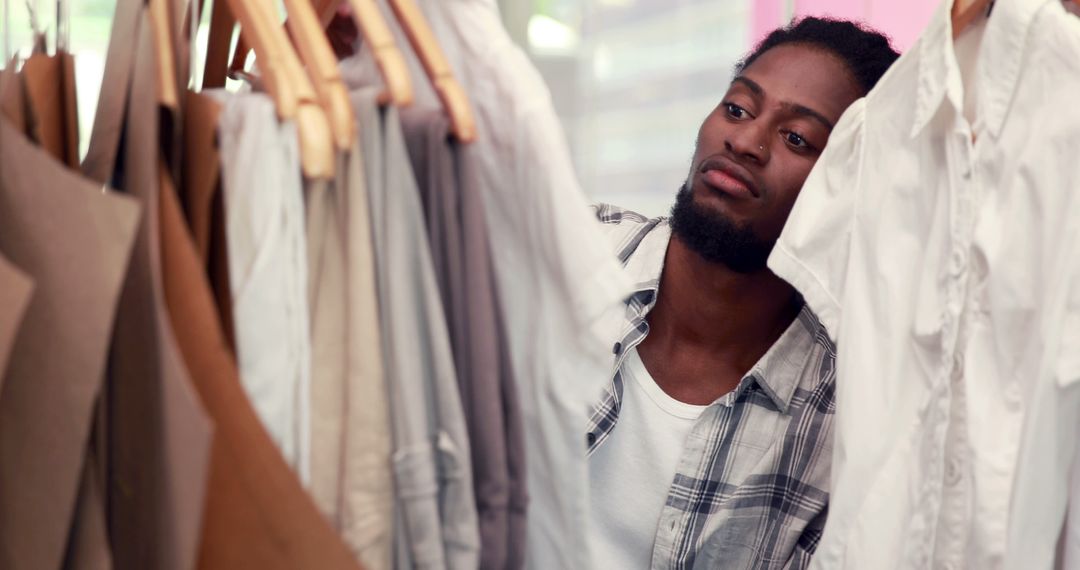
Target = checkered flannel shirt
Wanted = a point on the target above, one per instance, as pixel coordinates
(751, 489)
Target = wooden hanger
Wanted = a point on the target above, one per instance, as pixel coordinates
(218, 44)
(376, 33)
(322, 69)
(168, 92)
(313, 130)
(282, 77)
(388, 57)
(438, 70)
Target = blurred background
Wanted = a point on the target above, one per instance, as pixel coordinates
(631, 79)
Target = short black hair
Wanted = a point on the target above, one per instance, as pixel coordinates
(867, 53)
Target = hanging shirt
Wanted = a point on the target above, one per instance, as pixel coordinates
(264, 228)
(751, 489)
(351, 447)
(436, 509)
(59, 229)
(946, 270)
(554, 274)
(17, 288)
(631, 474)
(461, 254)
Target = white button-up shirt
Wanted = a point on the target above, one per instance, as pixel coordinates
(947, 271)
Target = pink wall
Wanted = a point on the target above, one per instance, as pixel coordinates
(902, 21)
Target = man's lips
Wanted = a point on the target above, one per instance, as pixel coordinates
(723, 181)
(728, 179)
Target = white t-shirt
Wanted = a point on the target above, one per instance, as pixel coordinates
(630, 474)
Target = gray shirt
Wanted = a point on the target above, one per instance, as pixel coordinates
(438, 523)
(462, 258)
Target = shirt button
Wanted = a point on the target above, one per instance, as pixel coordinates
(617, 348)
(958, 367)
(957, 261)
(591, 438)
(952, 472)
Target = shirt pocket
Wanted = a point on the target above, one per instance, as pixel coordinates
(738, 543)
(734, 545)
(455, 499)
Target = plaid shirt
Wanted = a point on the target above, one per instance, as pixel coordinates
(751, 491)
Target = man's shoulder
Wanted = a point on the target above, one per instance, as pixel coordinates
(625, 228)
(610, 214)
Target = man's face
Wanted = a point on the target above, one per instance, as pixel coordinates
(755, 150)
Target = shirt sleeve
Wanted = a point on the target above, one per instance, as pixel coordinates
(1067, 372)
(813, 250)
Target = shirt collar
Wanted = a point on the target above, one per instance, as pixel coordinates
(646, 263)
(779, 370)
(998, 72)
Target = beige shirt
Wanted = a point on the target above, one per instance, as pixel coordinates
(74, 242)
(351, 476)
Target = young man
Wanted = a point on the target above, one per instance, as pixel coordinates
(712, 447)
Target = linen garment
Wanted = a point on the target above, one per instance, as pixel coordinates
(555, 276)
(200, 194)
(461, 254)
(946, 270)
(264, 226)
(351, 469)
(435, 507)
(751, 488)
(153, 437)
(75, 243)
(16, 289)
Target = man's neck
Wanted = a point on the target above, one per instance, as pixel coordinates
(711, 307)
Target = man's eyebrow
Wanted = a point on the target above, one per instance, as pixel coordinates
(750, 84)
(808, 112)
(793, 107)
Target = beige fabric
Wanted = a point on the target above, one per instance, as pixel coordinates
(88, 546)
(352, 479)
(16, 289)
(158, 433)
(75, 243)
(50, 86)
(204, 205)
(257, 514)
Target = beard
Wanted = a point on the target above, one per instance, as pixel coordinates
(715, 237)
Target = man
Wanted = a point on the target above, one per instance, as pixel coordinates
(713, 445)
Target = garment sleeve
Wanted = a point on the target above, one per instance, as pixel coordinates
(813, 250)
(568, 238)
(1068, 372)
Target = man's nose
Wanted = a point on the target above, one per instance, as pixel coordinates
(748, 142)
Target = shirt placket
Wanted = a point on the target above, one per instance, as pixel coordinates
(957, 479)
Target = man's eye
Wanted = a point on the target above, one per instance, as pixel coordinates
(734, 111)
(796, 140)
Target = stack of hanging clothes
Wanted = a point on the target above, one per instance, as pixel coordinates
(212, 356)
